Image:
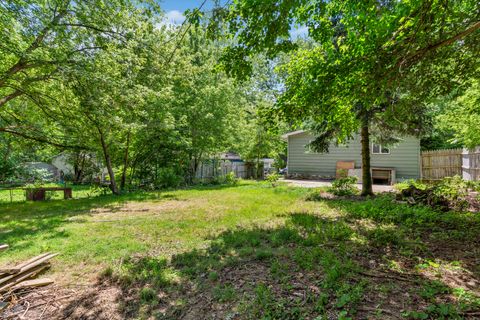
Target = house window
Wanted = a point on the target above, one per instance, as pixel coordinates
(379, 149)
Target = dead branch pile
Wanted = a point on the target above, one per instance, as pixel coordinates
(18, 279)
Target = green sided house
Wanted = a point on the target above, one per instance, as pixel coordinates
(389, 165)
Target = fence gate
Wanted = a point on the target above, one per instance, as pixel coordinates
(439, 164)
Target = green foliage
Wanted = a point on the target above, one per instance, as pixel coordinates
(435, 311)
(167, 178)
(448, 193)
(405, 184)
(463, 117)
(224, 293)
(273, 178)
(454, 190)
(344, 186)
(231, 178)
(148, 295)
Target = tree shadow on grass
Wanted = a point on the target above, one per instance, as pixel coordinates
(336, 268)
(419, 230)
(20, 222)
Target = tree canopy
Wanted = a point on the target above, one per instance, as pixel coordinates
(369, 64)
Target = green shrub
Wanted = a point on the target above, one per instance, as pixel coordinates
(231, 178)
(344, 186)
(168, 178)
(409, 183)
(454, 190)
(272, 178)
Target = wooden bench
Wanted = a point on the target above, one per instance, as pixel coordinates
(38, 194)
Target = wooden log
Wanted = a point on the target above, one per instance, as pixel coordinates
(23, 276)
(3, 246)
(17, 268)
(32, 283)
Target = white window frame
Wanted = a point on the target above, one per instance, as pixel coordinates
(380, 149)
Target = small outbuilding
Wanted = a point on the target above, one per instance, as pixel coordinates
(389, 164)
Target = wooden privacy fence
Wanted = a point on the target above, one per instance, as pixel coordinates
(471, 164)
(439, 164)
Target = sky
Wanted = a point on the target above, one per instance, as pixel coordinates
(174, 8)
(174, 12)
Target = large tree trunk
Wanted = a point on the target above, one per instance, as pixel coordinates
(108, 163)
(125, 164)
(366, 173)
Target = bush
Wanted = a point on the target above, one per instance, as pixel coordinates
(409, 183)
(168, 178)
(273, 178)
(454, 190)
(231, 178)
(344, 186)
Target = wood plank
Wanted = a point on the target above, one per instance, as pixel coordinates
(17, 268)
(346, 165)
(37, 262)
(22, 276)
(3, 247)
(33, 283)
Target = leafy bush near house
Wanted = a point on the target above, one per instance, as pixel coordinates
(230, 179)
(344, 186)
(272, 178)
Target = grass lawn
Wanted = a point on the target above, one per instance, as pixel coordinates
(251, 252)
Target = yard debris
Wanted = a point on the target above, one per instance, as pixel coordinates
(444, 196)
(18, 280)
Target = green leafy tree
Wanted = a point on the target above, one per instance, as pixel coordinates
(369, 68)
(463, 117)
(41, 42)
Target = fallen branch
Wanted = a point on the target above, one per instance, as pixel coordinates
(387, 276)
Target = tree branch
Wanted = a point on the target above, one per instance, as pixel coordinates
(421, 52)
(21, 63)
(41, 139)
(11, 96)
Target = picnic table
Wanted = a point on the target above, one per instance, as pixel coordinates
(38, 194)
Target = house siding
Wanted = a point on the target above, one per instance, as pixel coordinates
(404, 157)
